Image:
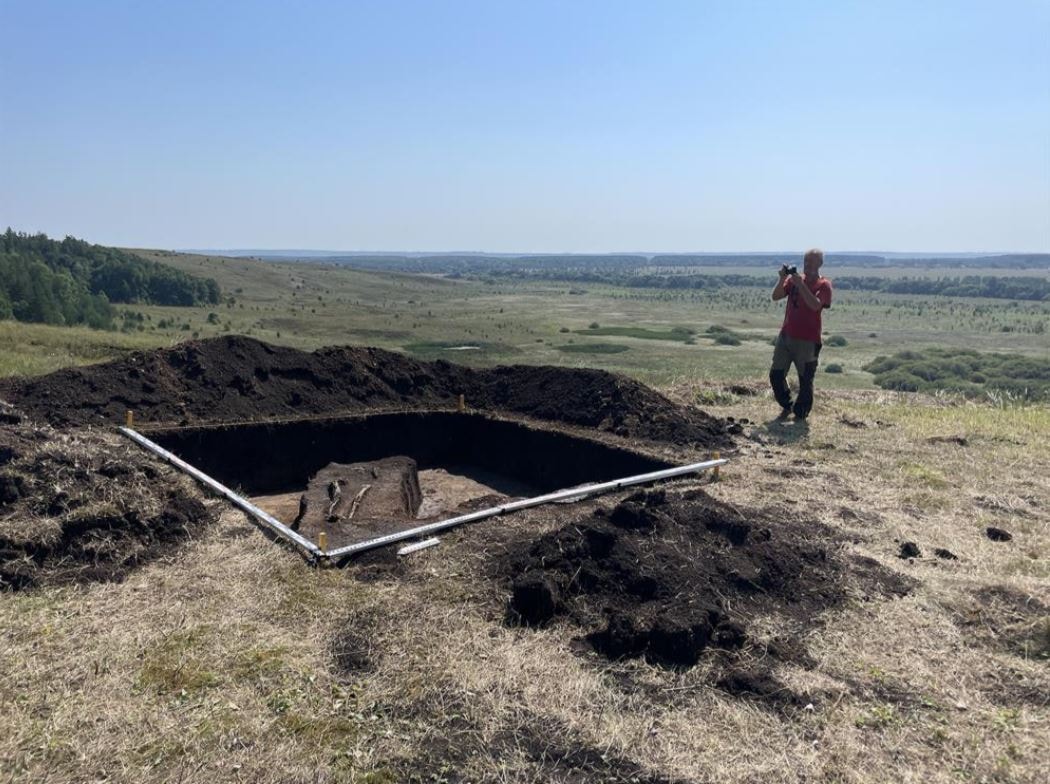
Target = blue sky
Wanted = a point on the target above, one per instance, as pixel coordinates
(529, 126)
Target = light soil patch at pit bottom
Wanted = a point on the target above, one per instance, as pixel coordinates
(230, 660)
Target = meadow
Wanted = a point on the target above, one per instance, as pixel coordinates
(657, 336)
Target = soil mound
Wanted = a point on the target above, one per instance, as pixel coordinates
(238, 378)
(85, 506)
(669, 577)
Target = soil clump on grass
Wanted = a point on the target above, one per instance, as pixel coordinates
(237, 378)
(669, 577)
(85, 505)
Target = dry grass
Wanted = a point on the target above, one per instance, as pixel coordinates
(233, 661)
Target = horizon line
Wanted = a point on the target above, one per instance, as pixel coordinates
(325, 252)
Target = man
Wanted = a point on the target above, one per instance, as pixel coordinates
(799, 339)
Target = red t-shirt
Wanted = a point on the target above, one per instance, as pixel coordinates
(800, 320)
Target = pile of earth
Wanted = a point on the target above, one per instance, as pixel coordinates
(238, 378)
(84, 505)
(667, 577)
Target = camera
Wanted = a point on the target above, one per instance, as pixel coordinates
(789, 270)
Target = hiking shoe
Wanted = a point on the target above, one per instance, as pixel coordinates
(784, 414)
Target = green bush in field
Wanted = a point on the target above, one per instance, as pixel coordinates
(834, 367)
(964, 371)
(723, 336)
(836, 340)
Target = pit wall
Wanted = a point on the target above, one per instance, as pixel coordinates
(267, 457)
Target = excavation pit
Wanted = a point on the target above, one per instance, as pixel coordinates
(462, 462)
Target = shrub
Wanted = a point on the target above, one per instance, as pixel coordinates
(594, 325)
(836, 340)
(967, 372)
(834, 367)
(726, 339)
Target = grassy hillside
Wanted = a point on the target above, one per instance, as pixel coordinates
(310, 305)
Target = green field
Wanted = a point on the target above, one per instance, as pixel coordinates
(657, 336)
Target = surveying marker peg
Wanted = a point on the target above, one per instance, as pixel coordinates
(715, 474)
(461, 406)
(322, 540)
(129, 419)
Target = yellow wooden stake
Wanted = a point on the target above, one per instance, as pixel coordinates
(322, 540)
(129, 418)
(715, 475)
(462, 404)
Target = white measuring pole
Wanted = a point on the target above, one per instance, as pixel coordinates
(417, 546)
(574, 492)
(275, 525)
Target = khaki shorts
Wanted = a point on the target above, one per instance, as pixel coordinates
(792, 351)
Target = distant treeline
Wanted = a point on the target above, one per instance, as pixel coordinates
(971, 373)
(994, 287)
(480, 264)
(74, 282)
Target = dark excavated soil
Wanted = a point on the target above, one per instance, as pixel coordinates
(239, 378)
(670, 577)
(85, 506)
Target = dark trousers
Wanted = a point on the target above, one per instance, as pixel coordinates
(803, 355)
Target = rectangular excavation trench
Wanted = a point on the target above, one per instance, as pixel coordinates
(267, 459)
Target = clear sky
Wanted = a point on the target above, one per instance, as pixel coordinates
(529, 126)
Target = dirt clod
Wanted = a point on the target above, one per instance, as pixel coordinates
(534, 599)
(998, 534)
(910, 550)
(947, 555)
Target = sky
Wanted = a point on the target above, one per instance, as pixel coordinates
(529, 126)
